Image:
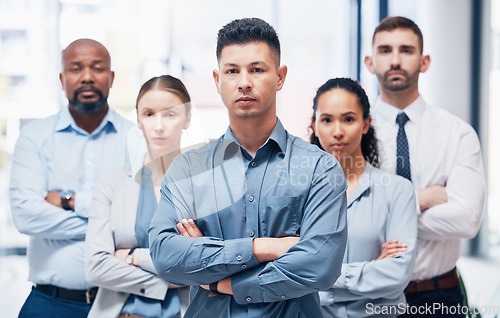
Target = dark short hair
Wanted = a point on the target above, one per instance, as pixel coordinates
(368, 141)
(166, 83)
(246, 30)
(392, 23)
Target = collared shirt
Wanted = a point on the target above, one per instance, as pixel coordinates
(444, 150)
(55, 154)
(381, 208)
(290, 188)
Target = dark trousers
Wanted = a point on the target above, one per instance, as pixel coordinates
(40, 305)
(442, 303)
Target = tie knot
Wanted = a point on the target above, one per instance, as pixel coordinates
(402, 119)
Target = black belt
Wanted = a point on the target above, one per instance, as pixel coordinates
(82, 295)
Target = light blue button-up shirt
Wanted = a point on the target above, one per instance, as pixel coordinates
(290, 188)
(55, 154)
(381, 208)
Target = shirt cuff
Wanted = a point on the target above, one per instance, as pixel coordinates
(342, 280)
(326, 298)
(419, 213)
(246, 287)
(240, 252)
(82, 203)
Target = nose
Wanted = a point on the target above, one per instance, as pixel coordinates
(337, 131)
(87, 75)
(245, 81)
(395, 60)
(159, 123)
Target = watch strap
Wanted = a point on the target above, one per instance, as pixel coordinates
(213, 289)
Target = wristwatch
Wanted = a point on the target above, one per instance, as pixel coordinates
(213, 289)
(130, 257)
(66, 195)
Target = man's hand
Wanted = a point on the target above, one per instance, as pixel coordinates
(54, 198)
(189, 228)
(266, 249)
(431, 196)
(391, 249)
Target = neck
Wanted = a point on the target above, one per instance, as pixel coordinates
(160, 165)
(353, 167)
(400, 99)
(88, 122)
(252, 133)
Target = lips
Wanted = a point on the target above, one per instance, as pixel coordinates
(87, 91)
(245, 100)
(338, 145)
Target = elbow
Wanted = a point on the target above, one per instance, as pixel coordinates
(92, 272)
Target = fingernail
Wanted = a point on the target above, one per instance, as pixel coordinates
(191, 221)
(184, 221)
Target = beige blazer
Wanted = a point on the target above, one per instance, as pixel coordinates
(112, 226)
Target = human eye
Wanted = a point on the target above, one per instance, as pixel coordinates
(384, 50)
(349, 119)
(258, 70)
(325, 120)
(231, 71)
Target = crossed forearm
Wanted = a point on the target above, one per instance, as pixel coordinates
(265, 249)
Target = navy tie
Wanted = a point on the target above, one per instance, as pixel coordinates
(402, 149)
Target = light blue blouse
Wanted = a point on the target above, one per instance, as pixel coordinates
(140, 305)
(381, 208)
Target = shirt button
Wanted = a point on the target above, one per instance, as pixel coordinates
(243, 265)
(253, 164)
(252, 233)
(283, 296)
(248, 299)
(143, 290)
(250, 199)
(239, 257)
(204, 265)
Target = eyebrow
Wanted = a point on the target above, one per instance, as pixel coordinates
(344, 114)
(236, 65)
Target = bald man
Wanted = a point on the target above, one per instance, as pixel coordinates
(56, 163)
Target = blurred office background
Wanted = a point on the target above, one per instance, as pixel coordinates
(320, 39)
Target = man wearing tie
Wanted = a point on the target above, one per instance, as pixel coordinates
(437, 151)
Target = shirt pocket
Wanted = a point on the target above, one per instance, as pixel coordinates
(279, 216)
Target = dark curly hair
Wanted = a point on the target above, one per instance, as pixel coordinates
(368, 141)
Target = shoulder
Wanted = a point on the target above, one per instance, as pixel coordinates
(446, 120)
(392, 184)
(40, 128)
(121, 124)
(114, 177)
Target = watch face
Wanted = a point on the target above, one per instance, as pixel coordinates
(67, 194)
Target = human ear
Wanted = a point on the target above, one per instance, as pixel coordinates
(425, 62)
(282, 71)
(216, 80)
(369, 64)
(366, 124)
(188, 121)
(313, 126)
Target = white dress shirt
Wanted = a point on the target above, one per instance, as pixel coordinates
(444, 150)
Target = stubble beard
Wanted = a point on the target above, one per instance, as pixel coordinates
(400, 84)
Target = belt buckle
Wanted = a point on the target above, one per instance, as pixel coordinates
(89, 297)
